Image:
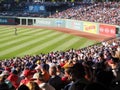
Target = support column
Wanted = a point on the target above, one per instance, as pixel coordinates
(20, 21)
(26, 21)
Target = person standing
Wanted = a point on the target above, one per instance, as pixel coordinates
(15, 31)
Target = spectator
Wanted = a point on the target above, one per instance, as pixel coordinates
(105, 78)
(14, 79)
(67, 78)
(55, 80)
(23, 87)
(33, 86)
(96, 86)
(27, 76)
(40, 80)
(59, 71)
(4, 75)
(4, 86)
(78, 77)
(44, 69)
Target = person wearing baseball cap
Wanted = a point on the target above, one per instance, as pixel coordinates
(27, 73)
(40, 80)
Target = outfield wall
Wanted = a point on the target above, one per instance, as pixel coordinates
(7, 21)
(90, 27)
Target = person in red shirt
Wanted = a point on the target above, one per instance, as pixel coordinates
(27, 76)
(14, 79)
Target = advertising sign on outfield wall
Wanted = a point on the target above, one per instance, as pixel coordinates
(90, 27)
(77, 25)
(59, 23)
(108, 30)
(43, 22)
(74, 24)
(7, 21)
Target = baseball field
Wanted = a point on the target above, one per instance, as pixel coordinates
(32, 41)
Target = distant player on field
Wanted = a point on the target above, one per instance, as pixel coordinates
(15, 31)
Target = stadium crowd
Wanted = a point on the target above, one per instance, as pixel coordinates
(102, 12)
(22, 9)
(96, 67)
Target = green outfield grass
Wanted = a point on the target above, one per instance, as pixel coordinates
(35, 41)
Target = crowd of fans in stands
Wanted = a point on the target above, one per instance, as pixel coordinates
(22, 9)
(101, 12)
(107, 12)
(96, 66)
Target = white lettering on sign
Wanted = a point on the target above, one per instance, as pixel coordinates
(101, 29)
(112, 31)
(106, 30)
